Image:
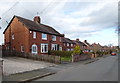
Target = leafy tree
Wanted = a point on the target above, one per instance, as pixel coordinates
(76, 50)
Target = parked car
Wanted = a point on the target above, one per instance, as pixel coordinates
(113, 53)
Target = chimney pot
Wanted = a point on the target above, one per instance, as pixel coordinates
(37, 19)
(77, 39)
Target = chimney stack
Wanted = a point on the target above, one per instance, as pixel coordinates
(77, 39)
(37, 19)
(85, 41)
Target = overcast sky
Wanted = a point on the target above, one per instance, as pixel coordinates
(91, 20)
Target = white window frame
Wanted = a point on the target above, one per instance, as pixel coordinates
(71, 49)
(64, 44)
(60, 39)
(60, 48)
(43, 48)
(34, 49)
(30, 31)
(68, 49)
(54, 47)
(44, 38)
(71, 44)
(13, 37)
(67, 44)
(34, 35)
(53, 37)
(22, 48)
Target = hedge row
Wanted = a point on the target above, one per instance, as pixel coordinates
(61, 53)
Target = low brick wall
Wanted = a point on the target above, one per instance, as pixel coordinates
(76, 58)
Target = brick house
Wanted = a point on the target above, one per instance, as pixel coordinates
(97, 47)
(88, 47)
(68, 45)
(31, 36)
(81, 44)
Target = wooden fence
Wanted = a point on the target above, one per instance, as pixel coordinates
(47, 58)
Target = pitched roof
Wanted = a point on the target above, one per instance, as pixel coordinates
(79, 42)
(31, 25)
(87, 44)
(67, 40)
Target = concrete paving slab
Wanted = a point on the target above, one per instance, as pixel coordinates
(12, 65)
(29, 75)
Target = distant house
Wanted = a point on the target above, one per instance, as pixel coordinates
(88, 46)
(97, 47)
(68, 44)
(31, 36)
(83, 46)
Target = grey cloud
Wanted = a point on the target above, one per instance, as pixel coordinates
(106, 17)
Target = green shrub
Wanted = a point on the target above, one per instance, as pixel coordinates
(61, 53)
(76, 50)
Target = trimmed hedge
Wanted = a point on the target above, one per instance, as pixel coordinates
(61, 53)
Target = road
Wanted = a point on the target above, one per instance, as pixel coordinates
(105, 69)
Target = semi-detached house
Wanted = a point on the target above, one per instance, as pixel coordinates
(31, 36)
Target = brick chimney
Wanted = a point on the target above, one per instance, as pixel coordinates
(37, 19)
(85, 41)
(77, 39)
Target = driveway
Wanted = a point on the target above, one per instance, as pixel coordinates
(12, 65)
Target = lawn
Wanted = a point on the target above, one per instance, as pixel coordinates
(66, 58)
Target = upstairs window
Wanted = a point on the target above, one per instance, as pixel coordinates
(13, 36)
(64, 44)
(71, 44)
(60, 39)
(67, 44)
(53, 37)
(44, 36)
(34, 34)
(30, 31)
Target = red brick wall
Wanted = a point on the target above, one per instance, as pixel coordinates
(68, 47)
(38, 40)
(21, 35)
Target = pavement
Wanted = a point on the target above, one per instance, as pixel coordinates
(28, 76)
(40, 73)
(13, 65)
(50, 69)
(105, 69)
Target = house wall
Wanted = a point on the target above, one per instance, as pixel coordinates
(68, 47)
(38, 40)
(21, 35)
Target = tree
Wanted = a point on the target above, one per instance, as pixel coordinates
(76, 50)
(96, 48)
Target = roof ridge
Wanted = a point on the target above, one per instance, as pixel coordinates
(38, 27)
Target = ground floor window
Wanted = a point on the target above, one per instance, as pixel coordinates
(44, 48)
(68, 49)
(60, 48)
(54, 47)
(22, 48)
(34, 49)
(71, 49)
